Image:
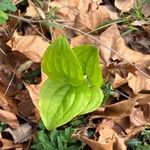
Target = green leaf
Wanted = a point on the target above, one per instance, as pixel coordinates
(7, 5)
(53, 135)
(95, 101)
(60, 63)
(60, 102)
(37, 146)
(89, 60)
(3, 17)
(42, 136)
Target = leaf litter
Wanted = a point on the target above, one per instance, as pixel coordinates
(120, 118)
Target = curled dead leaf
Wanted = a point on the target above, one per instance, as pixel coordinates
(32, 46)
(120, 109)
(21, 134)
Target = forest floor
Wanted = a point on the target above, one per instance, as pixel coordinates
(120, 29)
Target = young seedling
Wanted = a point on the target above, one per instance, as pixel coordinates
(73, 85)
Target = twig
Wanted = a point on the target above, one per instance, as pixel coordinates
(30, 23)
(10, 82)
(18, 2)
(1, 50)
(119, 92)
(4, 31)
(86, 34)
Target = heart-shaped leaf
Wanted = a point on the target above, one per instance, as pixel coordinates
(66, 94)
(89, 60)
(60, 102)
(60, 63)
(95, 101)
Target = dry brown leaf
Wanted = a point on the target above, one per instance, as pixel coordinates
(87, 21)
(69, 3)
(125, 118)
(108, 133)
(21, 134)
(145, 9)
(140, 114)
(25, 106)
(8, 144)
(4, 101)
(138, 82)
(108, 140)
(137, 117)
(112, 39)
(9, 118)
(66, 9)
(124, 5)
(32, 46)
(31, 10)
(96, 145)
(125, 126)
(139, 41)
(118, 81)
(84, 15)
(83, 5)
(34, 90)
(120, 109)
